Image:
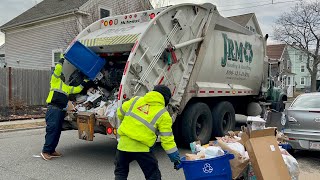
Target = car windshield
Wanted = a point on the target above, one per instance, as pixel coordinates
(307, 101)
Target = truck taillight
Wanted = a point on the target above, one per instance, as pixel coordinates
(110, 22)
(152, 15)
(115, 131)
(109, 130)
(124, 96)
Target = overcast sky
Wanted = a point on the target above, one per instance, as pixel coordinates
(266, 14)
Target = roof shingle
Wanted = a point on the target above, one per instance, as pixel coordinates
(275, 51)
(45, 9)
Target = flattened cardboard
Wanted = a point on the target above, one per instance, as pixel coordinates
(239, 164)
(265, 155)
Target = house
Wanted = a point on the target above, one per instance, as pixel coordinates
(36, 38)
(280, 62)
(299, 68)
(288, 65)
(2, 56)
(249, 21)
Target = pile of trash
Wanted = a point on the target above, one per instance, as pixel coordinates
(254, 148)
(97, 100)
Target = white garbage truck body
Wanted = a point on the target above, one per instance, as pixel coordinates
(213, 66)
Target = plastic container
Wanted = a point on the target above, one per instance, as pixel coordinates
(286, 146)
(214, 169)
(85, 60)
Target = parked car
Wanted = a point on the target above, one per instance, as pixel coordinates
(302, 122)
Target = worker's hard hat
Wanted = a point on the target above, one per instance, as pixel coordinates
(61, 55)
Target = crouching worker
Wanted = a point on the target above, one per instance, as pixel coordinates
(143, 118)
(57, 100)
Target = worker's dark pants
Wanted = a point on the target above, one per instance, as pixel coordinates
(54, 119)
(146, 160)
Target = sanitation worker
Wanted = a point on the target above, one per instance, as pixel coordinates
(57, 102)
(143, 119)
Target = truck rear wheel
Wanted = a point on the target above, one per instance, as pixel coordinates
(197, 123)
(223, 115)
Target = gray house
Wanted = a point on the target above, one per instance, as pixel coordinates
(35, 38)
(248, 21)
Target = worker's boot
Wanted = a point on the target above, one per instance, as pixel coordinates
(46, 156)
(55, 154)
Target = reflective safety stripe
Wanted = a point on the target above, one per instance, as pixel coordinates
(72, 90)
(165, 133)
(157, 116)
(55, 75)
(122, 111)
(61, 85)
(172, 150)
(60, 91)
(153, 129)
(143, 121)
(133, 103)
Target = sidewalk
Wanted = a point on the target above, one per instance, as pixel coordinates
(9, 126)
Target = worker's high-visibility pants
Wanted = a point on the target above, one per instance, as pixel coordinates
(146, 160)
(54, 120)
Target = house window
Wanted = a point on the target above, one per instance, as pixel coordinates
(302, 81)
(288, 81)
(302, 68)
(56, 54)
(104, 13)
(300, 57)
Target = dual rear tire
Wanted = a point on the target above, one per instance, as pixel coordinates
(200, 122)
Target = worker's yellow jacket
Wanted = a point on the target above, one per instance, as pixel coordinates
(142, 119)
(59, 91)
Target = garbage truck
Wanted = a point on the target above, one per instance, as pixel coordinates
(214, 67)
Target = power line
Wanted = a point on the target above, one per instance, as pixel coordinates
(248, 3)
(260, 5)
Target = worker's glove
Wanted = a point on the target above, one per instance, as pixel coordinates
(61, 61)
(175, 158)
(84, 82)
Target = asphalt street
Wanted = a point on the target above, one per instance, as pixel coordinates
(92, 160)
(82, 160)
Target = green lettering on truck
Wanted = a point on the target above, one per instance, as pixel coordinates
(235, 51)
(224, 58)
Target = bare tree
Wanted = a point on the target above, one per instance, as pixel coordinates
(300, 29)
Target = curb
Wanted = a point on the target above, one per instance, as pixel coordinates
(21, 129)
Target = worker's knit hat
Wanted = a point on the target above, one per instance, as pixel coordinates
(165, 91)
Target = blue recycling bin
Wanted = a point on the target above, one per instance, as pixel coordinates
(208, 169)
(85, 60)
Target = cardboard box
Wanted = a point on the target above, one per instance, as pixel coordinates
(86, 122)
(265, 155)
(239, 164)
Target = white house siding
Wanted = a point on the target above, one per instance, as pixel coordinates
(32, 46)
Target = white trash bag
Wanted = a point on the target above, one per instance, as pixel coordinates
(292, 165)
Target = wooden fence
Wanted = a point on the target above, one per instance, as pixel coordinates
(28, 86)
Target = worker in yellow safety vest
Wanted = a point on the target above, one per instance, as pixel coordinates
(142, 120)
(57, 102)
